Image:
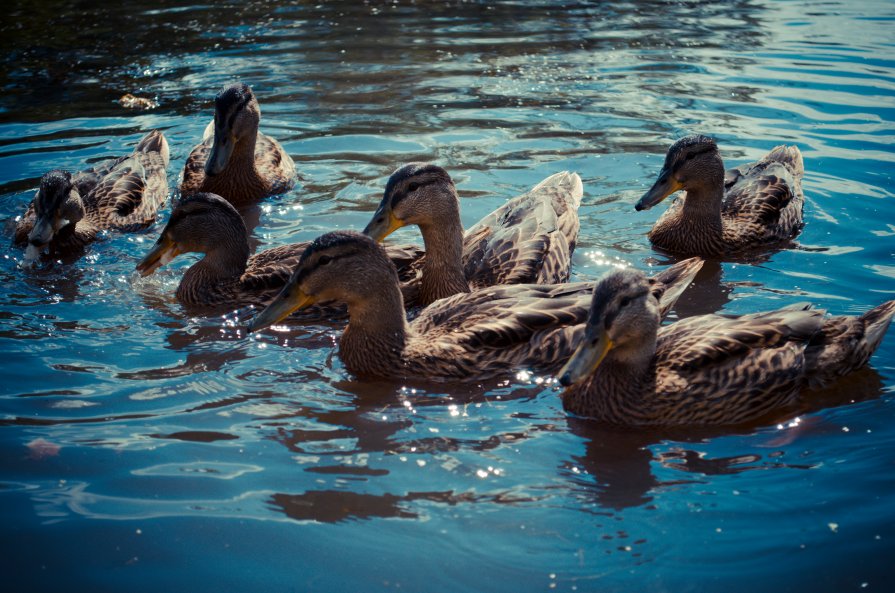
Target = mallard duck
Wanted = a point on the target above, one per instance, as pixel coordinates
(235, 160)
(709, 369)
(752, 206)
(469, 336)
(227, 276)
(527, 240)
(122, 194)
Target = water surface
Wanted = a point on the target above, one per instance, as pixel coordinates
(145, 450)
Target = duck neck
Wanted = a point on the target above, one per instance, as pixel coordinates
(83, 226)
(221, 267)
(239, 182)
(443, 274)
(619, 389)
(243, 157)
(244, 152)
(373, 343)
(702, 209)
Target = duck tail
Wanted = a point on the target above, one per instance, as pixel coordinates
(876, 322)
(846, 344)
(790, 156)
(154, 141)
(564, 180)
(668, 285)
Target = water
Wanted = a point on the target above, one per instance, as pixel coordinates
(145, 450)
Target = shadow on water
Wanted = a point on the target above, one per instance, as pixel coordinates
(707, 294)
(59, 283)
(334, 506)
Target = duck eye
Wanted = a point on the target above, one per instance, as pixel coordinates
(413, 187)
(324, 259)
(625, 302)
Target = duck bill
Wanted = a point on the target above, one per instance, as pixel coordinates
(585, 360)
(289, 301)
(221, 150)
(42, 232)
(383, 224)
(664, 186)
(162, 252)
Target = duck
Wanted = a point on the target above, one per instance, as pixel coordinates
(529, 239)
(707, 370)
(234, 159)
(753, 206)
(466, 337)
(69, 210)
(227, 276)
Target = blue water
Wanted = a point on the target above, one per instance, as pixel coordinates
(145, 450)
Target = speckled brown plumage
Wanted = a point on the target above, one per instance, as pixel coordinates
(120, 194)
(226, 277)
(527, 240)
(709, 369)
(256, 165)
(468, 336)
(752, 206)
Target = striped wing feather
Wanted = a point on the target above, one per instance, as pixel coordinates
(194, 169)
(764, 199)
(279, 172)
(270, 269)
(696, 342)
(668, 285)
(846, 343)
(527, 240)
(501, 327)
(718, 370)
(131, 189)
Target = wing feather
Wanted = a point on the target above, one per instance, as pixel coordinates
(529, 239)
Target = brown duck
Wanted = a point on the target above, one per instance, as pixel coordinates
(469, 336)
(226, 277)
(120, 194)
(235, 160)
(527, 240)
(706, 370)
(752, 206)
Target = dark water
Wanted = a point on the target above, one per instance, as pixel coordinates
(143, 450)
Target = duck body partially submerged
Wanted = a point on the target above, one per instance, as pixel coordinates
(754, 206)
(234, 159)
(121, 194)
(708, 370)
(468, 336)
(227, 277)
(529, 239)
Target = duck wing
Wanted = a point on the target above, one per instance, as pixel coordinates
(764, 200)
(270, 269)
(194, 168)
(713, 369)
(502, 327)
(669, 284)
(132, 189)
(274, 165)
(527, 240)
